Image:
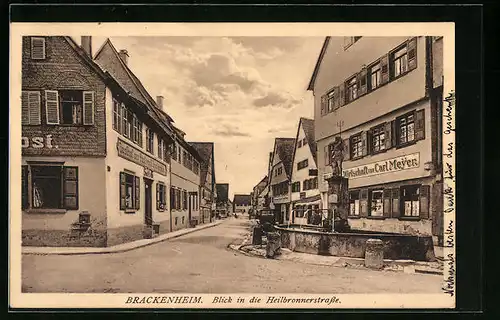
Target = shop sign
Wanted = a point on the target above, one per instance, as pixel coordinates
(280, 199)
(38, 142)
(392, 165)
(130, 153)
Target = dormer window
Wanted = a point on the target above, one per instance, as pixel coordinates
(37, 48)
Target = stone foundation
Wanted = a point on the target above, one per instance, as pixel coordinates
(63, 238)
(125, 234)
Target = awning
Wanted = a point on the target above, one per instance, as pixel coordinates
(308, 199)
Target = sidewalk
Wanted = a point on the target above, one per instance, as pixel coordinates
(118, 248)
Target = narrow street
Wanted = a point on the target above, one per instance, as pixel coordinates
(200, 262)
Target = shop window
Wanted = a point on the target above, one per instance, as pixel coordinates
(376, 203)
(351, 89)
(52, 187)
(296, 186)
(302, 164)
(406, 129)
(37, 48)
(150, 136)
(354, 203)
(410, 201)
(161, 196)
(30, 108)
(129, 192)
(375, 76)
(356, 146)
(378, 138)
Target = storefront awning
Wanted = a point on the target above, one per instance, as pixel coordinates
(308, 199)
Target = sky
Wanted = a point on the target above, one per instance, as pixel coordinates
(239, 92)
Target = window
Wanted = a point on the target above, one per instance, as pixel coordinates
(354, 203)
(302, 164)
(196, 167)
(310, 184)
(330, 97)
(299, 211)
(71, 107)
(376, 203)
(129, 191)
(30, 106)
(351, 89)
(374, 76)
(175, 151)
(37, 48)
(406, 129)
(378, 138)
(299, 144)
(184, 200)
(160, 148)
(400, 62)
(356, 146)
(410, 201)
(150, 136)
(304, 141)
(349, 41)
(137, 130)
(161, 197)
(117, 116)
(296, 186)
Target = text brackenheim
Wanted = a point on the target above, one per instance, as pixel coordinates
(163, 300)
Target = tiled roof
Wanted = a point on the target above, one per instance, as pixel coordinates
(205, 150)
(308, 126)
(284, 149)
(242, 199)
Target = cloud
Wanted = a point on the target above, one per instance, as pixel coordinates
(277, 99)
(227, 130)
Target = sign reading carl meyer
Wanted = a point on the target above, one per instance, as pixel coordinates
(405, 162)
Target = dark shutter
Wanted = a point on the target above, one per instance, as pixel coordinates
(327, 155)
(70, 193)
(347, 149)
(388, 134)
(364, 143)
(412, 53)
(24, 187)
(336, 98)
(172, 198)
(420, 124)
(387, 203)
(362, 81)
(25, 112)
(424, 201)
(384, 69)
(363, 203)
(395, 203)
(342, 94)
(323, 105)
(88, 107)
(157, 196)
(395, 134)
(122, 190)
(164, 190)
(137, 191)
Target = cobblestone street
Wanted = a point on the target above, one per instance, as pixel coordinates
(201, 262)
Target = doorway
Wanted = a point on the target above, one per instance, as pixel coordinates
(148, 210)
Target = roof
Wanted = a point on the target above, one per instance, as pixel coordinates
(242, 199)
(318, 63)
(308, 127)
(205, 150)
(284, 148)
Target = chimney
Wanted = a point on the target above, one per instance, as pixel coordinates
(124, 56)
(159, 102)
(87, 45)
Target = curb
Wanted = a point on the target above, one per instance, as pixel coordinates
(26, 250)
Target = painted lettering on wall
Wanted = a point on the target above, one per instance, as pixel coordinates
(38, 142)
(405, 162)
(130, 153)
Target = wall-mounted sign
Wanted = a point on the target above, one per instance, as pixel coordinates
(148, 173)
(401, 163)
(281, 199)
(38, 142)
(130, 153)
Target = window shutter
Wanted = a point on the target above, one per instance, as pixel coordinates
(395, 135)
(172, 198)
(164, 190)
(347, 149)
(122, 190)
(364, 143)
(34, 108)
(412, 53)
(88, 107)
(157, 196)
(420, 124)
(395, 203)
(336, 98)
(137, 191)
(424, 201)
(388, 134)
(52, 106)
(342, 94)
(70, 193)
(24, 187)
(37, 48)
(363, 203)
(384, 69)
(362, 81)
(323, 105)
(25, 116)
(387, 203)
(327, 155)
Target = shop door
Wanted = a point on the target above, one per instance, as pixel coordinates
(148, 212)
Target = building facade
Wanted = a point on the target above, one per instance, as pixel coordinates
(305, 196)
(223, 206)
(241, 203)
(279, 178)
(82, 129)
(207, 179)
(381, 96)
(257, 194)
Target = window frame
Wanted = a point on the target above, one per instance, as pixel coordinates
(370, 68)
(360, 147)
(392, 60)
(44, 48)
(402, 200)
(353, 202)
(373, 135)
(400, 144)
(349, 83)
(370, 203)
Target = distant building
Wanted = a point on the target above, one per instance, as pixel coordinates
(207, 179)
(256, 194)
(305, 196)
(241, 203)
(222, 203)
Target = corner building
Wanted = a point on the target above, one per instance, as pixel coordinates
(383, 97)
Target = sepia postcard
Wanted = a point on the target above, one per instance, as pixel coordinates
(241, 165)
